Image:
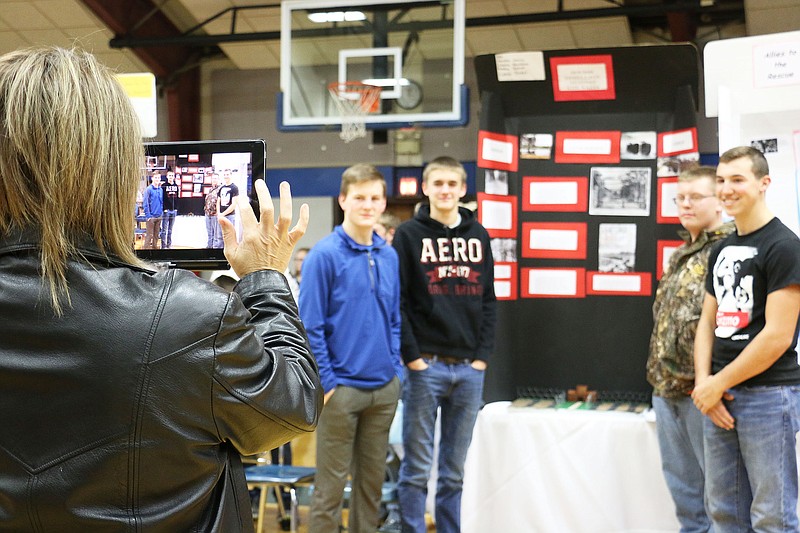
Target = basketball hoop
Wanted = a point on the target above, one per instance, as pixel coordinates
(354, 100)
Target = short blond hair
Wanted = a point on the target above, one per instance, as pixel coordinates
(444, 163)
(697, 173)
(360, 173)
(71, 153)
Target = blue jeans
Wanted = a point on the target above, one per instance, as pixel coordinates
(167, 223)
(751, 470)
(214, 232)
(679, 426)
(458, 389)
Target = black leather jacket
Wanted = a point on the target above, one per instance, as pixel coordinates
(129, 412)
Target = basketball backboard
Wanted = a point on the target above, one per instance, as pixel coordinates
(413, 50)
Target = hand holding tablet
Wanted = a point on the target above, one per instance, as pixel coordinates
(264, 244)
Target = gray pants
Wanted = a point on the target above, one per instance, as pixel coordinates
(152, 229)
(352, 438)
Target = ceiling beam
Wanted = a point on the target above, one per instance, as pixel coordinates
(678, 8)
(149, 22)
(174, 66)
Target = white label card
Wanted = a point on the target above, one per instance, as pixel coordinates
(496, 215)
(554, 193)
(553, 239)
(678, 142)
(582, 77)
(502, 271)
(617, 283)
(587, 146)
(502, 289)
(668, 192)
(500, 151)
(553, 282)
(520, 66)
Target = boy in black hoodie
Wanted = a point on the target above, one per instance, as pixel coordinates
(448, 318)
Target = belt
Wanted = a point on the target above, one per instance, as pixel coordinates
(433, 358)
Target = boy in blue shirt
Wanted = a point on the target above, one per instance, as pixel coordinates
(350, 306)
(153, 203)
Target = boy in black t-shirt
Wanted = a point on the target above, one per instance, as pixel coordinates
(227, 191)
(747, 375)
(170, 190)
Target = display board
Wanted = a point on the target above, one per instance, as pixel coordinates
(578, 157)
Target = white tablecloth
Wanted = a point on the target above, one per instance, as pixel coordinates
(564, 471)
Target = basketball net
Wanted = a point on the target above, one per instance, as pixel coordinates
(354, 100)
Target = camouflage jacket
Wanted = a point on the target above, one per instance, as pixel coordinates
(676, 311)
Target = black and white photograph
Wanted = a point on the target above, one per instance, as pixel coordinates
(765, 146)
(504, 250)
(621, 191)
(616, 248)
(496, 182)
(637, 145)
(535, 145)
(675, 164)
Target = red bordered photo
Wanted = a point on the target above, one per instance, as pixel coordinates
(562, 194)
(619, 283)
(553, 283)
(583, 78)
(497, 150)
(587, 147)
(498, 214)
(505, 280)
(677, 142)
(667, 210)
(554, 240)
(665, 249)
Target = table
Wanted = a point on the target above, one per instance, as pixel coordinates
(556, 470)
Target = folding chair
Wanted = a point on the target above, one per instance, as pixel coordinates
(265, 476)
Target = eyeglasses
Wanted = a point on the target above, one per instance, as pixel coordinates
(693, 198)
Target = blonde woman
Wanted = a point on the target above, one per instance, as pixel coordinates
(127, 394)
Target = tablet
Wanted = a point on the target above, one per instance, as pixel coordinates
(183, 186)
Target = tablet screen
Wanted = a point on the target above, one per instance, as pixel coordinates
(182, 188)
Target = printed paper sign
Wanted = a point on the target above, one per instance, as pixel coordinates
(141, 89)
(582, 78)
(776, 65)
(677, 142)
(520, 66)
(498, 151)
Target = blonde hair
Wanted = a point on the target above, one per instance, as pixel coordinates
(360, 173)
(70, 154)
(444, 163)
(700, 172)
